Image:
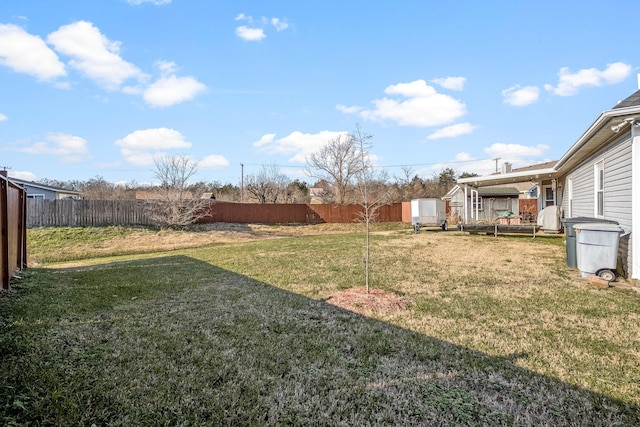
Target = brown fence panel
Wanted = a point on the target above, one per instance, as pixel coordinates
(13, 241)
(253, 213)
(406, 211)
(351, 213)
(528, 210)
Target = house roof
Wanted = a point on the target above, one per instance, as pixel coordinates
(43, 186)
(630, 101)
(608, 126)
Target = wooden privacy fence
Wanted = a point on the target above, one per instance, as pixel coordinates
(69, 212)
(528, 210)
(253, 213)
(13, 241)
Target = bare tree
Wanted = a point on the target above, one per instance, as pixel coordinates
(267, 186)
(338, 163)
(177, 206)
(373, 189)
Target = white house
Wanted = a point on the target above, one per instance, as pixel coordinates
(599, 176)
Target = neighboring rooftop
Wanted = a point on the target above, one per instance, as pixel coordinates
(42, 186)
(544, 165)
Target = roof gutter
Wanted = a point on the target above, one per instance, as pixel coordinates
(508, 177)
(625, 114)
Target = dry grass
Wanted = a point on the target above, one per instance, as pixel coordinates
(48, 245)
(460, 330)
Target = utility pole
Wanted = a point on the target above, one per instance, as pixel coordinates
(496, 159)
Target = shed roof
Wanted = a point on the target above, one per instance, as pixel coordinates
(498, 191)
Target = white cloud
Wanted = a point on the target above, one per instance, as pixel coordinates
(452, 131)
(569, 83)
(213, 161)
(167, 91)
(28, 54)
(3, 118)
(452, 83)
(520, 96)
(24, 175)
(68, 148)
(142, 146)
(266, 139)
(297, 144)
(515, 150)
(423, 106)
(154, 2)
(94, 55)
(255, 30)
(349, 110)
(250, 34)
(279, 24)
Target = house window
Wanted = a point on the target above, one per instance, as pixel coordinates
(599, 189)
(477, 203)
(549, 200)
(35, 196)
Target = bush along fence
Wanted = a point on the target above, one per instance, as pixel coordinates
(13, 241)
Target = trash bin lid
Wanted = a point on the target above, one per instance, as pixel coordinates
(598, 226)
(582, 219)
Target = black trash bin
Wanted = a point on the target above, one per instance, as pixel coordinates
(570, 234)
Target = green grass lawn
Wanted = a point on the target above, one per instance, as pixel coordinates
(499, 333)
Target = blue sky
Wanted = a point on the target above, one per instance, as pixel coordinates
(102, 87)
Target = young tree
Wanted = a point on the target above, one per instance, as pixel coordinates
(338, 163)
(373, 189)
(177, 206)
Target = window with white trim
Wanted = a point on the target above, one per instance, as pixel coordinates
(599, 189)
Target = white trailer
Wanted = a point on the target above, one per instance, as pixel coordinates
(428, 213)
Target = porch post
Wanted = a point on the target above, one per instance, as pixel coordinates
(465, 205)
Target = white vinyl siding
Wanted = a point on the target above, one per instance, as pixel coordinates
(616, 162)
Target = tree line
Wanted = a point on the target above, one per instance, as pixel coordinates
(341, 172)
(270, 185)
